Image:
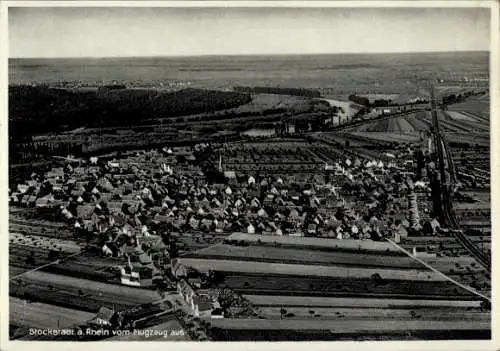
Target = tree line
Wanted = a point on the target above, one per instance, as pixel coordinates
(277, 90)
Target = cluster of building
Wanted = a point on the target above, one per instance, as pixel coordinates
(131, 203)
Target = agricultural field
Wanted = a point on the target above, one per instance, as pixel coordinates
(84, 265)
(477, 104)
(277, 283)
(263, 102)
(334, 258)
(359, 246)
(360, 303)
(204, 265)
(44, 316)
(27, 240)
(81, 294)
(23, 221)
(327, 313)
(342, 326)
(257, 253)
(272, 156)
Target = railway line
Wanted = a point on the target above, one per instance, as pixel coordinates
(448, 175)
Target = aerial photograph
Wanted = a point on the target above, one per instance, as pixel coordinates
(249, 174)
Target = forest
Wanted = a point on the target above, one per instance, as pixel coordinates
(42, 109)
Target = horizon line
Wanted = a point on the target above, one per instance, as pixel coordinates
(246, 55)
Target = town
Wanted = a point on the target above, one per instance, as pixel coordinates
(250, 172)
(267, 237)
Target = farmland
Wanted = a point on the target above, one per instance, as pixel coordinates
(281, 155)
(360, 303)
(327, 313)
(334, 258)
(44, 316)
(203, 265)
(395, 286)
(402, 329)
(82, 294)
(320, 243)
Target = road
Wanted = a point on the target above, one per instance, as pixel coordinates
(41, 315)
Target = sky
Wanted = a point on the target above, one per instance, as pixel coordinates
(125, 32)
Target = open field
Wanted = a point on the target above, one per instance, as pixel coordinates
(357, 326)
(274, 156)
(32, 240)
(351, 245)
(478, 105)
(327, 335)
(382, 315)
(44, 316)
(335, 259)
(272, 283)
(19, 222)
(203, 265)
(303, 256)
(421, 122)
(84, 266)
(360, 303)
(77, 293)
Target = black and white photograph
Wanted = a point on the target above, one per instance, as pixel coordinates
(249, 173)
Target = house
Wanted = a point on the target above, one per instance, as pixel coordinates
(84, 211)
(186, 291)
(136, 275)
(194, 282)
(217, 313)
(45, 201)
(110, 249)
(202, 306)
(104, 317)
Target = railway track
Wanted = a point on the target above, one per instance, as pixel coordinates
(443, 152)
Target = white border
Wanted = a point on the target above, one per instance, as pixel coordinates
(8, 345)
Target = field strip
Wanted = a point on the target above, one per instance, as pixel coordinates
(41, 315)
(78, 283)
(30, 240)
(343, 326)
(374, 313)
(303, 256)
(469, 289)
(388, 136)
(348, 302)
(477, 116)
(204, 265)
(376, 246)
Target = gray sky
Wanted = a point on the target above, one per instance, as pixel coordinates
(100, 32)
